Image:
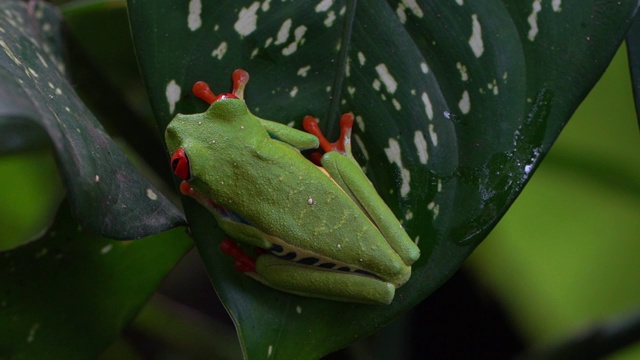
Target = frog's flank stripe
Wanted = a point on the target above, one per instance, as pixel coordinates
(289, 256)
(364, 272)
(228, 214)
(327, 265)
(279, 251)
(308, 261)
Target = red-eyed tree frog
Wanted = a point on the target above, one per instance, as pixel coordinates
(325, 231)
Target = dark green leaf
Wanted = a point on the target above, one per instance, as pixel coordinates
(459, 102)
(105, 73)
(108, 194)
(68, 295)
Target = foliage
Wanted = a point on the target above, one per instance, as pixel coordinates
(457, 105)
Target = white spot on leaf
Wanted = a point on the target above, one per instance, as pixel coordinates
(389, 82)
(283, 33)
(421, 145)
(414, 7)
(299, 34)
(435, 208)
(323, 5)
(465, 104)
(475, 41)
(194, 21)
(394, 156)
(464, 76)
(433, 135)
(9, 52)
(493, 86)
(152, 195)
(33, 72)
(376, 84)
(428, 108)
(533, 20)
(408, 215)
(247, 20)
(303, 71)
(402, 16)
(219, 52)
(42, 60)
(361, 58)
(331, 18)
(173, 92)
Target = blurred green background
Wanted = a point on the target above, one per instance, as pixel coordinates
(566, 254)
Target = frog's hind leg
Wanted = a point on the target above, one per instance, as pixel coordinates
(312, 281)
(305, 280)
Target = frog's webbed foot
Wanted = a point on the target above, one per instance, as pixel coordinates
(240, 79)
(243, 262)
(343, 144)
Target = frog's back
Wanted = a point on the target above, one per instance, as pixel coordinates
(309, 214)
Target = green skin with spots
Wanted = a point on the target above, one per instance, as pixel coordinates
(253, 167)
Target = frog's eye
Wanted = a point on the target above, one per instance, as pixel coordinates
(180, 164)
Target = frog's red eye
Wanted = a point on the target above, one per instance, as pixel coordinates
(180, 164)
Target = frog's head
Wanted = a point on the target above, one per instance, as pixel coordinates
(200, 142)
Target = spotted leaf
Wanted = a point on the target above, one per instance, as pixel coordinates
(456, 104)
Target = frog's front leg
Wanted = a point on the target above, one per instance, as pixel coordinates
(230, 222)
(296, 138)
(314, 281)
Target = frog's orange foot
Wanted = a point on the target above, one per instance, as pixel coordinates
(240, 79)
(243, 262)
(343, 144)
